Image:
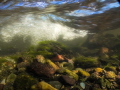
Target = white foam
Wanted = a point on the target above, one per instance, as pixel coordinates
(38, 29)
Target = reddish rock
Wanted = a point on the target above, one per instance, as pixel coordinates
(58, 58)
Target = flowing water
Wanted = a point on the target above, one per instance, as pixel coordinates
(26, 22)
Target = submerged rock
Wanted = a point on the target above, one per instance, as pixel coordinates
(52, 64)
(105, 83)
(55, 84)
(42, 86)
(11, 78)
(68, 66)
(23, 65)
(61, 70)
(82, 84)
(24, 82)
(25, 58)
(72, 74)
(58, 58)
(111, 68)
(83, 72)
(6, 69)
(40, 59)
(42, 69)
(95, 76)
(3, 82)
(67, 80)
(99, 70)
(110, 75)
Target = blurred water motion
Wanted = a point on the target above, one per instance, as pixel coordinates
(28, 21)
(68, 10)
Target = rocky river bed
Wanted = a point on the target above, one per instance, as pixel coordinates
(84, 53)
(53, 66)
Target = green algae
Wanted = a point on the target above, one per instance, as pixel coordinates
(2, 60)
(48, 48)
(86, 62)
(24, 82)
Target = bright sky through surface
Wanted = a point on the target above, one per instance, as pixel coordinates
(89, 10)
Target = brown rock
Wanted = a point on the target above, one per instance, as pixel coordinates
(42, 69)
(65, 79)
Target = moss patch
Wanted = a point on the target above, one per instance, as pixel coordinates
(86, 62)
(24, 82)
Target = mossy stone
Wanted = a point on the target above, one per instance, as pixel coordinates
(86, 62)
(48, 48)
(24, 82)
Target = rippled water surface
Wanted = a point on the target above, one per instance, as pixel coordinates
(26, 22)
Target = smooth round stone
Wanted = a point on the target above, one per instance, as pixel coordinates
(55, 84)
(82, 84)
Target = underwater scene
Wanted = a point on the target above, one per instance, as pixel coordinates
(59, 45)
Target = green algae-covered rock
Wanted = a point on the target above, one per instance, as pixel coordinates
(70, 73)
(110, 68)
(68, 66)
(52, 64)
(6, 68)
(24, 82)
(105, 83)
(48, 48)
(42, 86)
(55, 84)
(11, 78)
(61, 70)
(2, 60)
(9, 82)
(86, 62)
(40, 58)
(83, 72)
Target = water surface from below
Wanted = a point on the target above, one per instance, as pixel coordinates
(28, 22)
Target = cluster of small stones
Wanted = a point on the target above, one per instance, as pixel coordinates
(54, 75)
